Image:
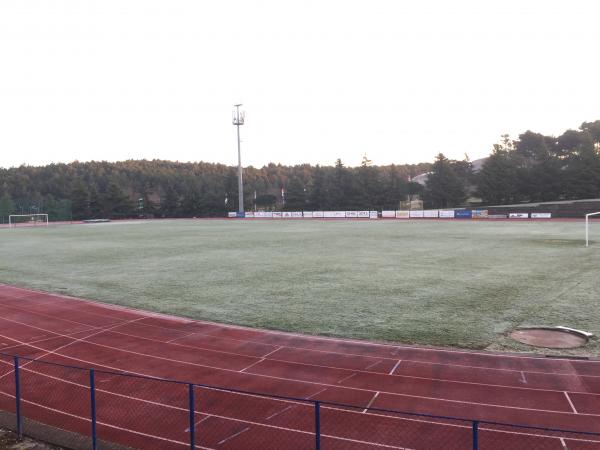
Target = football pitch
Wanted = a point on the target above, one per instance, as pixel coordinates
(461, 284)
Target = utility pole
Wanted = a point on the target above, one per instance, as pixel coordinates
(238, 119)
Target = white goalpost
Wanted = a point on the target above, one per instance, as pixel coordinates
(27, 220)
(587, 227)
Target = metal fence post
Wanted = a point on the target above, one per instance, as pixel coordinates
(93, 407)
(18, 398)
(475, 435)
(192, 418)
(318, 425)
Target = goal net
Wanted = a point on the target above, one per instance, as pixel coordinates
(30, 220)
(587, 227)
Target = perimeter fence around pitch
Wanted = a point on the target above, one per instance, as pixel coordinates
(82, 408)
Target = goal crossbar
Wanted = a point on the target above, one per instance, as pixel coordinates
(587, 227)
(32, 218)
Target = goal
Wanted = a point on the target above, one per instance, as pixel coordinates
(15, 220)
(587, 227)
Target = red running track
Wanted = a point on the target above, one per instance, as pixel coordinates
(144, 413)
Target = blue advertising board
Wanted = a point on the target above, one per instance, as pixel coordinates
(463, 214)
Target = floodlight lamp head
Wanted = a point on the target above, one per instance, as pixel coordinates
(238, 116)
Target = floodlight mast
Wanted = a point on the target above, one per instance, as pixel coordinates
(238, 119)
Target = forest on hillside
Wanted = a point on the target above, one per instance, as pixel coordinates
(533, 167)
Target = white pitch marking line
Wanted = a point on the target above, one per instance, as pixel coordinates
(570, 402)
(395, 367)
(252, 365)
(270, 353)
(234, 435)
(371, 402)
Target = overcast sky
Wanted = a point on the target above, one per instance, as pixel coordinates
(399, 81)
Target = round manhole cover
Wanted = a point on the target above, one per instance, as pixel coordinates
(549, 338)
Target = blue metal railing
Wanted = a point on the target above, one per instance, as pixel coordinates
(473, 424)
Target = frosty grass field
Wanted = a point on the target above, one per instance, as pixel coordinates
(461, 284)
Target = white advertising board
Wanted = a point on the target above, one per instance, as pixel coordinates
(339, 214)
(307, 214)
(417, 213)
(402, 214)
(231, 214)
(277, 214)
(351, 214)
(363, 214)
(518, 216)
(268, 214)
(373, 215)
(329, 214)
(541, 215)
(317, 214)
(388, 214)
(446, 214)
(296, 214)
(431, 213)
(286, 214)
(250, 215)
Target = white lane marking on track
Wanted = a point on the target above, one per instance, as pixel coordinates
(298, 380)
(58, 411)
(371, 402)
(570, 402)
(314, 365)
(523, 379)
(187, 430)
(395, 367)
(363, 371)
(48, 352)
(288, 429)
(180, 337)
(372, 365)
(297, 404)
(397, 348)
(347, 378)
(563, 443)
(316, 393)
(251, 365)
(270, 353)
(280, 412)
(46, 339)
